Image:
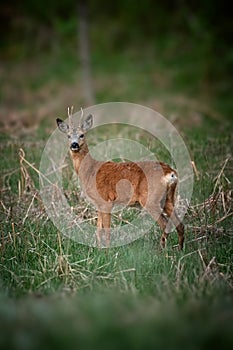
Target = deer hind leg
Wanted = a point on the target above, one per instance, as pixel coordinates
(157, 214)
(171, 213)
(162, 222)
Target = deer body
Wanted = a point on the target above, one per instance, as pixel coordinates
(149, 183)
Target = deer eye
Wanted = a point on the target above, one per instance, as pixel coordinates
(81, 136)
(68, 136)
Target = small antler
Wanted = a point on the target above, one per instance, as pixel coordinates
(81, 117)
(70, 113)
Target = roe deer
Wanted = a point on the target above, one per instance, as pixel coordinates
(150, 183)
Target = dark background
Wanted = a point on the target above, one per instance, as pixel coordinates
(174, 56)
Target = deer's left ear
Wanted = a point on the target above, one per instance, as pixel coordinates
(63, 127)
(87, 123)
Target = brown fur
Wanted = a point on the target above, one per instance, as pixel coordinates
(151, 184)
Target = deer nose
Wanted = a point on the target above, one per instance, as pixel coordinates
(74, 146)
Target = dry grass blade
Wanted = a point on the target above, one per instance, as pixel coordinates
(214, 210)
(26, 183)
(23, 159)
(195, 169)
(221, 196)
(218, 177)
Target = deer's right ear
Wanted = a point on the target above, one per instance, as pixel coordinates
(63, 127)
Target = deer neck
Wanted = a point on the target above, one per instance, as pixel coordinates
(82, 160)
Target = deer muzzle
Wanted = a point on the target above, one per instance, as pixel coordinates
(74, 146)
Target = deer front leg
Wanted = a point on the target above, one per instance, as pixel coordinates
(106, 225)
(99, 229)
(103, 226)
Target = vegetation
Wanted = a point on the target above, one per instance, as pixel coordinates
(55, 292)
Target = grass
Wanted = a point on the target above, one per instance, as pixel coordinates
(58, 293)
(53, 280)
(126, 322)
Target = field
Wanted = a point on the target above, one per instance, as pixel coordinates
(58, 293)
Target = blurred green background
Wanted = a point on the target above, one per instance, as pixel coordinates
(173, 56)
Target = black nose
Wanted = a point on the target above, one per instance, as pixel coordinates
(74, 145)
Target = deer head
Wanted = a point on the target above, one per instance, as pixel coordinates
(76, 136)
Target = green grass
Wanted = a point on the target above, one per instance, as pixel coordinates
(55, 292)
(136, 295)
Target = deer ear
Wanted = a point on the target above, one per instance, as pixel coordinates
(63, 127)
(87, 123)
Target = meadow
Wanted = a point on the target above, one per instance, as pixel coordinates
(55, 292)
